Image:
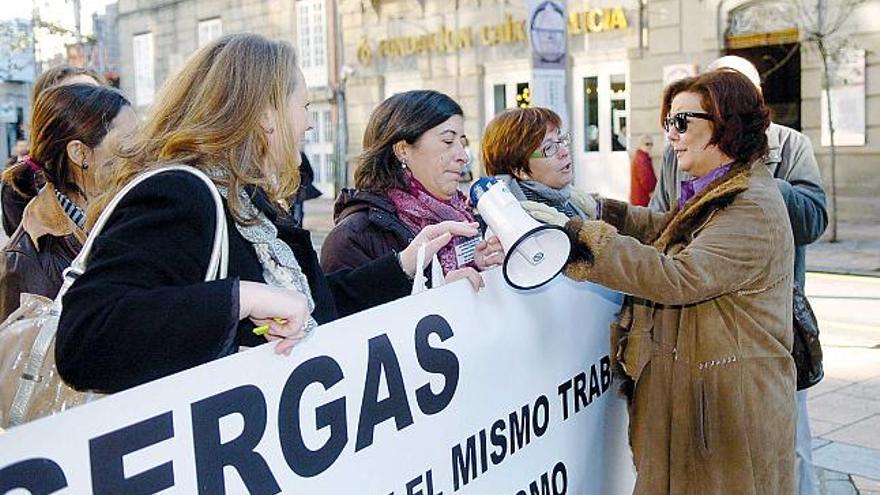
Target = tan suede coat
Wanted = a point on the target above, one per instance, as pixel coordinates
(704, 338)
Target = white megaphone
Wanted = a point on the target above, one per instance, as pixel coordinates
(535, 253)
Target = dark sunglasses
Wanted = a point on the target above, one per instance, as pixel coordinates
(680, 121)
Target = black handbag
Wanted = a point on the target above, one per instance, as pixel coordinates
(806, 351)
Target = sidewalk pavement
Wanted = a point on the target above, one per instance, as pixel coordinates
(857, 251)
(845, 407)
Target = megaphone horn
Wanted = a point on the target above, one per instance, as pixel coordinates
(536, 253)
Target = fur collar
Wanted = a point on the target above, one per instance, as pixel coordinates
(716, 196)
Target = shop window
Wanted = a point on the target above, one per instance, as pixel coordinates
(312, 28)
(320, 148)
(326, 126)
(591, 114)
(144, 78)
(619, 113)
(324, 169)
(500, 92)
(314, 134)
(209, 30)
(523, 95)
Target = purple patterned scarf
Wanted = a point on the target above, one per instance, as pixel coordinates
(417, 208)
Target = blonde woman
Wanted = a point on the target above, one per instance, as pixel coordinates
(237, 111)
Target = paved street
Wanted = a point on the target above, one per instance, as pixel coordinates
(845, 406)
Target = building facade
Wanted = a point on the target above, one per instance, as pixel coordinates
(621, 53)
(105, 50)
(157, 36)
(17, 68)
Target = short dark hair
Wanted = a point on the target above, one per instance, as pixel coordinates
(512, 136)
(739, 115)
(402, 117)
(669, 93)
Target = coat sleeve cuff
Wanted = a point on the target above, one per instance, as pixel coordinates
(614, 212)
(228, 347)
(588, 241)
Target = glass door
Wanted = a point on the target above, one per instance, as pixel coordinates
(600, 128)
(505, 89)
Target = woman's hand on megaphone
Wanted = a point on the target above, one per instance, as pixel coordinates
(434, 237)
(543, 213)
(586, 202)
(489, 253)
(470, 274)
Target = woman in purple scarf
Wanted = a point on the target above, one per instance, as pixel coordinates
(407, 177)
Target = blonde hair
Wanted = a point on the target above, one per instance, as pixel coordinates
(208, 116)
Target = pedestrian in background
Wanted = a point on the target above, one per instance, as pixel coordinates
(70, 125)
(18, 153)
(792, 163)
(641, 172)
(306, 191)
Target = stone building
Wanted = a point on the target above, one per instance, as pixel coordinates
(17, 69)
(621, 53)
(156, 37)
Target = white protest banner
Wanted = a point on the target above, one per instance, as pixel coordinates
(499, 392)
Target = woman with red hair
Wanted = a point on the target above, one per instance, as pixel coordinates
(527, 149)
(704, 336)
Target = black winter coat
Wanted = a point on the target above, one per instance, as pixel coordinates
(142, 310)
(367, 228)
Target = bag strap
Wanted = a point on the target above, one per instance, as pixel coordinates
(217, 266)
(420, 280)
(217, 269)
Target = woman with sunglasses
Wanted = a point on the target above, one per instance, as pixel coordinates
(704, 335)
(526, 148)
(415, 148)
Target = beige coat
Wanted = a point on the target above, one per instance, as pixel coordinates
(704, 338)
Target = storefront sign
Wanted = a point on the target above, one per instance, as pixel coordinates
(547, 41)
(510, 30)
(448, 391)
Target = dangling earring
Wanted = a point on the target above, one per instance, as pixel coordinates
(85, 165)
(403, 163)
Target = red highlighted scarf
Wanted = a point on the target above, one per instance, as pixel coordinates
(417, 208)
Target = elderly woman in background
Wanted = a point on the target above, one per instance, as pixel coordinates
(69, 146)
(18, 188)
(526, 148)
(407, 178)
(705, 333)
